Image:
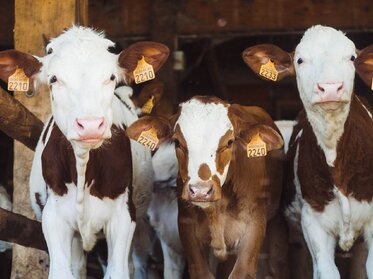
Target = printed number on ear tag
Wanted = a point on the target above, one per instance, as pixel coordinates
(256, 147)
(149, 139)
(143, 71)
(18, 81)
(148, 106)
(268, 70)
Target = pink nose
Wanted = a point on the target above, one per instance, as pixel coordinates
(331, 91)
(201, 191)
(90, 127)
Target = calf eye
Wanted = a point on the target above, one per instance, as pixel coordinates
(353, 58)
(112, 77)
(229, 143)
(300, 61)
(53, 79)
(50, 50)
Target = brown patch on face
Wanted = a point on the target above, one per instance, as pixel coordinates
(204, 171)
(210, 100)
(224, 152)
(181, 153)
(217, 187)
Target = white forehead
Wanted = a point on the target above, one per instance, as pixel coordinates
(80, 51)
(323, 41)
(203, 124)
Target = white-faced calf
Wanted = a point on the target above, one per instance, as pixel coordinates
(81, 179)
(225, 198)
(331, 149)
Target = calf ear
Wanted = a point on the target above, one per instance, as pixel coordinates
(364, 65)
(160, 124)
(258, 55)
(269, 135)
(150, 96)
(154, 53)
(10, 60)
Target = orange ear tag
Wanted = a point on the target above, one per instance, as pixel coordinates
(256, 147)
(143, 71)
(148, 106)
(18, 81)
(268, 70)
(149, 139)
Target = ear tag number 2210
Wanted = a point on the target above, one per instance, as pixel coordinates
(18, 81)
(143, 71)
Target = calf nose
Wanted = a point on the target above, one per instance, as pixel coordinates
(201, 191)
(330, 91)
(90, 127)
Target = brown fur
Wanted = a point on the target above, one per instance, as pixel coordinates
(352, 172)
(204, 172)
(110, 166)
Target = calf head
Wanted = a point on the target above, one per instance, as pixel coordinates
(207, 132)
(82, 74)
(324, 63)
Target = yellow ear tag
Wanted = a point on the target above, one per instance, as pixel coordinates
(268, 70)
(18, 81)
(256, 147)
(149, 138)
(148, 106)
(143, 71)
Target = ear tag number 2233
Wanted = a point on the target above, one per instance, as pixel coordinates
(149, 138)
(18, 81)
(268, 70)
(143, 71)
(256, 147)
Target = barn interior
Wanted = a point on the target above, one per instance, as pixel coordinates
(206, 39)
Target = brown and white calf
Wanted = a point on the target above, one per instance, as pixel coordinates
(81, 178)
(331, 149)
(225, 198)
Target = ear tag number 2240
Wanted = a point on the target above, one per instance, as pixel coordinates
(149, 139)
(256, 147)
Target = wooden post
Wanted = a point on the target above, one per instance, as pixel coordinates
(32, 20)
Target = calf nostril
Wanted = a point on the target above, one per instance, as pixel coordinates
(80, 125)
(191, 190)
(210, 191)
(340, 87)
(101, 124)
(320, 88)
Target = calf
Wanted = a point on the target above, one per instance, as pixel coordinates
(81, 178)
(331, 148)
(163, 211)
(225, 198)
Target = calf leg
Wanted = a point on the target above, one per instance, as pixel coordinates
(321, 245)
(174, 262)
(249, 249)
(58, 235)
(78, 259)
(119, 232)
(141, 247)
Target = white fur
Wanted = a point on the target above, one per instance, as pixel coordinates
(326, 53)
(5, 203)
(202, 125)
(286, 129)
(163, 210)
(83, 67)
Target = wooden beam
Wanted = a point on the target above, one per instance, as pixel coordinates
(18, 122)
(19, 229)
(32, 20)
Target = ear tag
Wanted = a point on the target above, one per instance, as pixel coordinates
(143, 71)
(256, 147)
(18, 81)
(149, 139)
(268, 70)
(148, 106)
